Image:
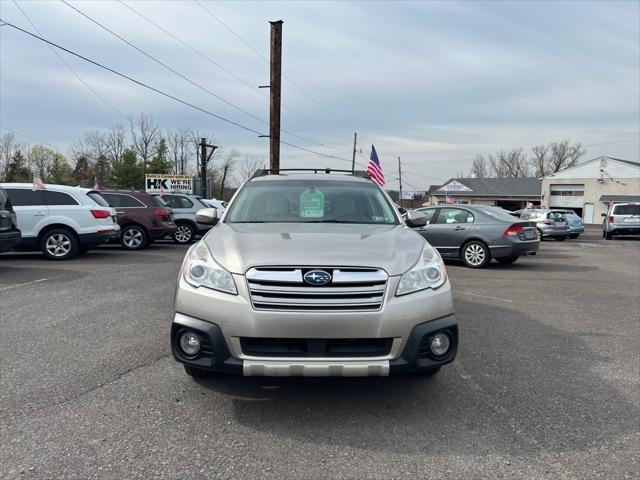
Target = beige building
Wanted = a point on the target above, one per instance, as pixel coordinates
(588, 187)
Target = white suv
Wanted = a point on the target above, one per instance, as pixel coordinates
(61, 221)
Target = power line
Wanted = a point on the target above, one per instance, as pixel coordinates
(174, 71)
(97, 95)
(27, 136)
(156, 90)
(254, 50)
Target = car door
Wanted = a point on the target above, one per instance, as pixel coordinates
(31, 210)
(66, 210)
(449, 230)
(430, 213)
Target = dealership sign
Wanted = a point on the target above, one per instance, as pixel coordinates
(162, 183)
(454, 186)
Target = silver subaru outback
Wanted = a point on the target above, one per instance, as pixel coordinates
(313, 274)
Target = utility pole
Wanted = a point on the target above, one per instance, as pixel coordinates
(353, 159)
(400, 182)
(204, 161)
(275, 87)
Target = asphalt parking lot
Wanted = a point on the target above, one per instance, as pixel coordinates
(546, 383)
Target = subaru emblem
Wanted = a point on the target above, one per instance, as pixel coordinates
(317, 277)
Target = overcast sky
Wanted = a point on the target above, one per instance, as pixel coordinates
(433, 82)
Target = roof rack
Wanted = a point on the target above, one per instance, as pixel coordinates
(276, 171)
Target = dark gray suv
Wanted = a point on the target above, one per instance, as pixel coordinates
(9, 233)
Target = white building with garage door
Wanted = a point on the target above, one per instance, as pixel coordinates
(588, 187)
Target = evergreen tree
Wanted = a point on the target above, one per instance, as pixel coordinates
(159, 162)
(17, 169)
(102, 169)
(128, 173)
(82, 172)
(60, 171)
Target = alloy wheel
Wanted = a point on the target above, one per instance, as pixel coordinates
(133, 238)
(474, 254)
(58, 245)
(183, 233)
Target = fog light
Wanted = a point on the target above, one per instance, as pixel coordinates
(189, 343)
(440, 344)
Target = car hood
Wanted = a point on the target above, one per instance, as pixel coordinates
(238, 247)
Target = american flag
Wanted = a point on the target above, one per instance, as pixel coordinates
(38, 184)
(374, 169)
(450, 200)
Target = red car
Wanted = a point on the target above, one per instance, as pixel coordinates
(143, 218)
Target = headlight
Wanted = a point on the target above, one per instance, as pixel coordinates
(201, 270)
(429, 272)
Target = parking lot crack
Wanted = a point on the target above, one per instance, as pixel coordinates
(100, 385)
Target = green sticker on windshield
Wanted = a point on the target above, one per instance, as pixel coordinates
(311, 203)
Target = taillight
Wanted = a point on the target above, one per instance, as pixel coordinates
(547, 222)
(100, 213)
(611, 219)
(513, 230)
(161, 212)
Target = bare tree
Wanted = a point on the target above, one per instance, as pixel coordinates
(96, 144)
(555, 156)
(40, 158)
(510, 163)
(181, 150)
(563, 155)
(115, 143)
(480, 167)
(540, 159)
(227, 170)
(144, 134)
(247, 167)
(8, 148)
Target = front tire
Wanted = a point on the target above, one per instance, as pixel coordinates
(196, 372)
(133, 237)
(506, 260)
(574, 235)
(540, 236)
(59, 244)
(475, 254)
(184, 234)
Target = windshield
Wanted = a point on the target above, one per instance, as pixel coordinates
(497, 213)
(630, 209)
(99, 199)
(311, 201)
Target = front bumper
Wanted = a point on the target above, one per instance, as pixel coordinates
(215, 355)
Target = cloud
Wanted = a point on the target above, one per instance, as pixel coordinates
(432, 82)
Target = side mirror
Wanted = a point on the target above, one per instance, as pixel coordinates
(603, 214)
(415, 219)
(402, 210)
(207, 216)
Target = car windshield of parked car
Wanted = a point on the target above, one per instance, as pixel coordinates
(626, 209)
(99, 199)
(497, 213)
(311, 201)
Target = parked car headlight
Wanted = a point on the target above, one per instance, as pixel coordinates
(201, 270)
(428, 272)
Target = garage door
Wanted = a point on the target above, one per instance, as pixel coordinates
(566, 196)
